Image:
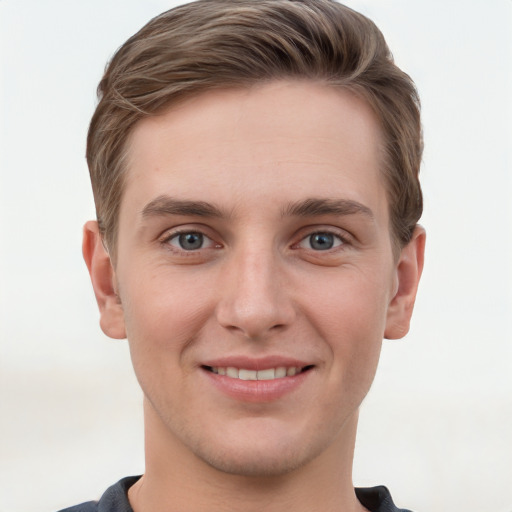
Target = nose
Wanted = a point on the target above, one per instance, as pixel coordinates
(255, 299)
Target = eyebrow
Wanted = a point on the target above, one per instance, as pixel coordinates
(311, 207)
(166, 205)
(314, 207)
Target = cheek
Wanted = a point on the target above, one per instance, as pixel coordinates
(160, 326)
(351, 308)
(350, 315)
(162, 316)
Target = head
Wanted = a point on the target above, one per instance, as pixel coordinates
(229, 44)
(254, 165)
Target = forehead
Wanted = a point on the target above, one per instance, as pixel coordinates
(238, 146)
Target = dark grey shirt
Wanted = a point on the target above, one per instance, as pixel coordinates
(115, 499)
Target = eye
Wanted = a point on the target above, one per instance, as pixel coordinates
(190, 241)
(321, 241)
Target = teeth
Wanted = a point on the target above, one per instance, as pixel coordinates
(247, 374)
(232, 372)
(280, 372)
(268, 374)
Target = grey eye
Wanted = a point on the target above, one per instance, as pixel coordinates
(321, 241)
(189, 241)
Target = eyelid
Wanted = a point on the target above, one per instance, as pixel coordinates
(337, 241)
(343, 236)
(172, 233)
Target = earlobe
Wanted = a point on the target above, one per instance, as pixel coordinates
(102, 275)
(408, 272)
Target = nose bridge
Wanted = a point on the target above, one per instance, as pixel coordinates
(254, 300)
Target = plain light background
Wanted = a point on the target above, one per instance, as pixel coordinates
(437, 425)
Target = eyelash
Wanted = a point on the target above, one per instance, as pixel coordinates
(342, 240)
(168, 237)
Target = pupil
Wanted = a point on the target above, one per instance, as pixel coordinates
(321, 241)
(190, 241)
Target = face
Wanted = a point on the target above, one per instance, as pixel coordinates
(255, 273)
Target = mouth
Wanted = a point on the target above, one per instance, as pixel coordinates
(279, 372)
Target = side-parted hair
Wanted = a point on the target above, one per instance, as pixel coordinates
(221, 44)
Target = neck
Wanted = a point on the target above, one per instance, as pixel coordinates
(177, 480)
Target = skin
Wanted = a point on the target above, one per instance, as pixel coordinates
(258, 285)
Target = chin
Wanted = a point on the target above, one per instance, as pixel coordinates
(255, 463)
(259, 454)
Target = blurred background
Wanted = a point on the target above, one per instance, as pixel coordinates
(437, 426)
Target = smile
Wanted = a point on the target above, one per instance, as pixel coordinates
(267, 374)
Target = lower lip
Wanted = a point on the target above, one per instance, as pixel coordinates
(256, 390)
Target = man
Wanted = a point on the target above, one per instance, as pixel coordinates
(255, 172)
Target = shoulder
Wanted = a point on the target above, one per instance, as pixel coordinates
(114, 499)
(89, 506)
(377, 499)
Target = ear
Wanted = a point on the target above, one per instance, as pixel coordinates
(102, 275)
(408, 273)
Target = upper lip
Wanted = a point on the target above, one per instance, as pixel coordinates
(253, 363)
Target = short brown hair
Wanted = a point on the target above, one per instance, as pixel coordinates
(212, 44)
